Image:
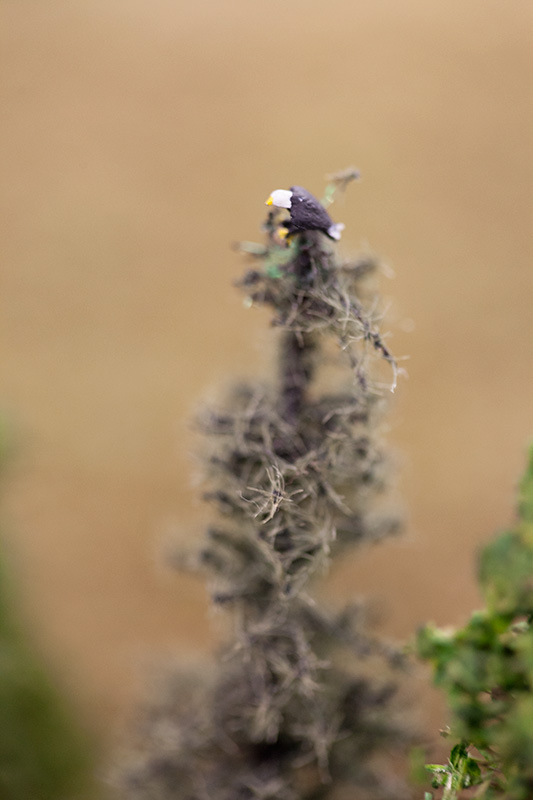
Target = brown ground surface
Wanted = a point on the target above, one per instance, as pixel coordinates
(138, 140)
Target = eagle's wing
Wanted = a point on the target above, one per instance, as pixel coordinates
(306, 211)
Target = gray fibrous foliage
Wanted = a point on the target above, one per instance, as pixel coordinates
(299, 704)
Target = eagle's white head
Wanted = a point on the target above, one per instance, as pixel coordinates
(281, 198)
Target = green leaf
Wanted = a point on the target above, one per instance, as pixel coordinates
(473, 773)
(458, 754)
(438, 769)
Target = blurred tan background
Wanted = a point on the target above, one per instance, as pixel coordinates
(139, 139)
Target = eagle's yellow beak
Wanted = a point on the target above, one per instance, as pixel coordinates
(269, 202)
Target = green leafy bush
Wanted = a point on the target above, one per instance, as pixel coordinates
(486, 671)
(43, 756)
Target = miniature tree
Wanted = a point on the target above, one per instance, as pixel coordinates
(298, 706)
(486, 671)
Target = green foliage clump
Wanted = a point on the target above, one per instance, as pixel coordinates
(486, 671)
(42, 757)
(299, 704)
(42, 754)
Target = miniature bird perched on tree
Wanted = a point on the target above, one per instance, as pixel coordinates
(306, 213)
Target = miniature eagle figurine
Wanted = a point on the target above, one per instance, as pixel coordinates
(306, 212)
